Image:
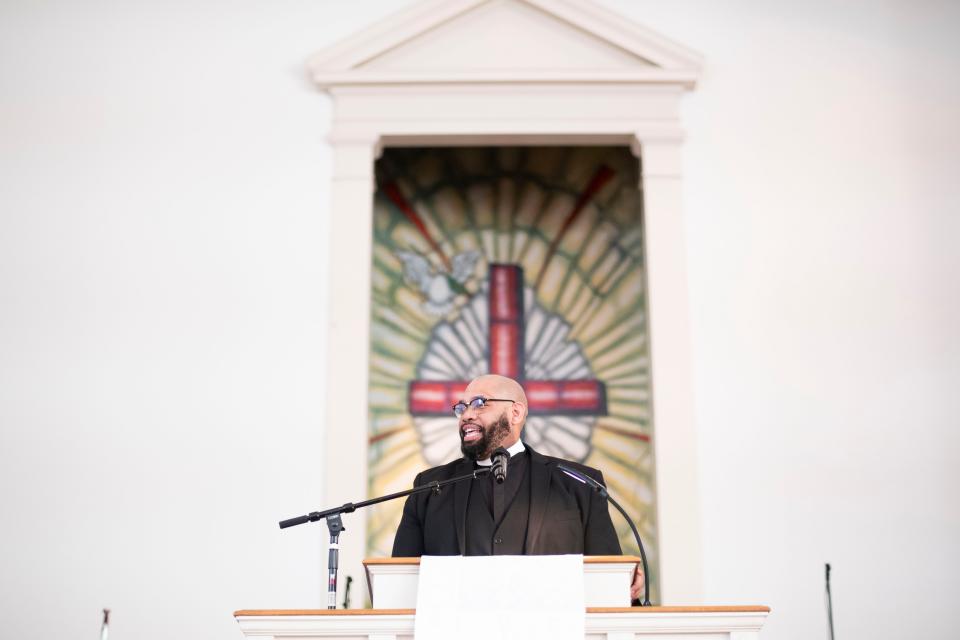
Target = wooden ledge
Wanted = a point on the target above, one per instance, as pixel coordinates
(586, 560)
(410, 612)
(748, 608)
(323, 612)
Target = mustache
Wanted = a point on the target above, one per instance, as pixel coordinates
(471, 423)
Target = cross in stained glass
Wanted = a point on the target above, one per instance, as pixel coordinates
(581, 397)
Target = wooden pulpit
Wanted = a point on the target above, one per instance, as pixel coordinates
(392, 584)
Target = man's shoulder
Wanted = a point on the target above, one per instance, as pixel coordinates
(441, 472)
(553, 461)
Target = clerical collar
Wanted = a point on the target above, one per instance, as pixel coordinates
(514, 449)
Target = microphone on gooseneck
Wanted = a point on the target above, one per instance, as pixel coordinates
(602, 490)
(499, 459)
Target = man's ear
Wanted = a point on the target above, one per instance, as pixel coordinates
(517, 412)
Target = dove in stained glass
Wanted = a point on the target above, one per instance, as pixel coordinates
(437, 286)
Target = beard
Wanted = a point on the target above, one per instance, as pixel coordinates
(492, 437)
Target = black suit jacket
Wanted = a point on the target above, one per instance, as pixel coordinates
(566, 516)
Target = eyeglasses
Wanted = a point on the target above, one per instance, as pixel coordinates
(479, 402)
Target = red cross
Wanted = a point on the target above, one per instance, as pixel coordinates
(559, 397)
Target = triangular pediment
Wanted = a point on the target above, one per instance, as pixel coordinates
(505, 40)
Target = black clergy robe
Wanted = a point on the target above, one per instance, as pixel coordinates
(497, 514)
(561, 516)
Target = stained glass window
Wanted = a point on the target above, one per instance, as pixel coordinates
(523, 261)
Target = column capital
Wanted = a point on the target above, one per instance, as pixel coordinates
(660, 156)
(354, 157)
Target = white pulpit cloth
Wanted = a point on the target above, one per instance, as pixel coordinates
(500, 598)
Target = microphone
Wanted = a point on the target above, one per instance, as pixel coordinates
(500, 458)
(602, 490)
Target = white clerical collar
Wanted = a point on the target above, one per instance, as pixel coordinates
(514, 449)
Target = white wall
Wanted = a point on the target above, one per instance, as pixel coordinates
(162, 286)
(822, 209)
(163, 182)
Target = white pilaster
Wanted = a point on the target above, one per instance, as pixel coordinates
(671, 361)
(348, 330)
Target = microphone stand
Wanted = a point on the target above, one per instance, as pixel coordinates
(602, 490)
(335, 523)
(829, 604)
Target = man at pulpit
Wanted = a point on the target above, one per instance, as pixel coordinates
(537, 510)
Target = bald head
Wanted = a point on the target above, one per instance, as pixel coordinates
(498, 387)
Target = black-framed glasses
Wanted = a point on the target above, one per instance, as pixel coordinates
(477, 402)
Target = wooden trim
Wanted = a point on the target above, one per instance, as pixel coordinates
(609, 559)
(323, 612)
(586, 560)
(410, 612)
(391, 561)
(683, 609)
